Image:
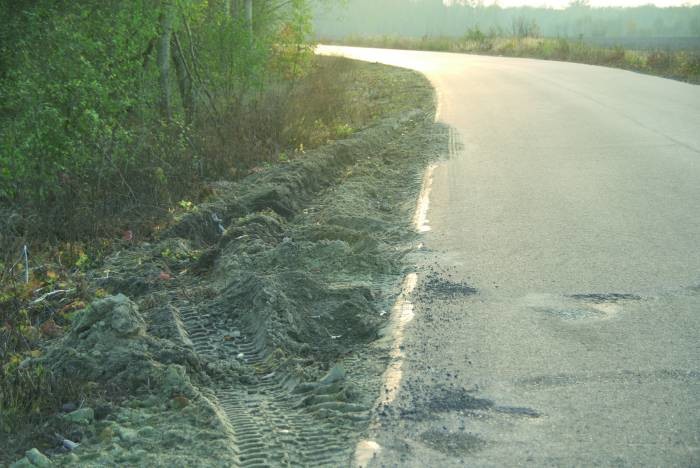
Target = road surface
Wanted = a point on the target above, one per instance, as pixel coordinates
(571, 202)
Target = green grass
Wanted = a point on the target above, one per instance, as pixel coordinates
(679, 65)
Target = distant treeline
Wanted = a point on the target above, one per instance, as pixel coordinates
(417, 18)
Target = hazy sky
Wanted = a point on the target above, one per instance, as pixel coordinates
(594, 3)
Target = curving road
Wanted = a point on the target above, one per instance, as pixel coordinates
(571, 202)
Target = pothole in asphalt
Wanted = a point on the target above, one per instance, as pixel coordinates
(597, 306)
(455, 399)
(598, 298)
(518, 411)
(571, 313)
(452, 443)
(425, 403)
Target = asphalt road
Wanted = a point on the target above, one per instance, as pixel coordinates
(571, 202)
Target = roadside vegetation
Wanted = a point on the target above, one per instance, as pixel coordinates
(115, 119)
(683, 65)
(646, 39)
(113, 112)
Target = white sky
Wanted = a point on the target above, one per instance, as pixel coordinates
(593, 3)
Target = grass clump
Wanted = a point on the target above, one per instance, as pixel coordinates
(31, 314)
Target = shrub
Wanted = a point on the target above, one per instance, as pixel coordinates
(659, 60)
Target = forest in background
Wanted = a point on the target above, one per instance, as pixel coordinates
(417, 18)
(646, 39)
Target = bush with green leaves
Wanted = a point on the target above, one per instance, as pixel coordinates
(105, 104)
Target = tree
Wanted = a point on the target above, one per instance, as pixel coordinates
(166, 28)
(249, 16)
(522, 27)
(128, 85)
(579, 4)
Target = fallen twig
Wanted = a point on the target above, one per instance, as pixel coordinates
(51, 294)
(26, 264)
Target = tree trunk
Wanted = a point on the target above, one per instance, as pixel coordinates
(147, 53)
(166, 29)
(234, 9)
(184, 80)
(249, 17)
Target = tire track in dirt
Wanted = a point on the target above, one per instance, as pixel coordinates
(279, 419)
(269, 427)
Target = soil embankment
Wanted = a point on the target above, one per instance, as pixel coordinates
(247, 335)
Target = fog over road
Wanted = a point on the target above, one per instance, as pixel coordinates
(571, 202)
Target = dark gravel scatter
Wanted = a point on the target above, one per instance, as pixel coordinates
(438, 284)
